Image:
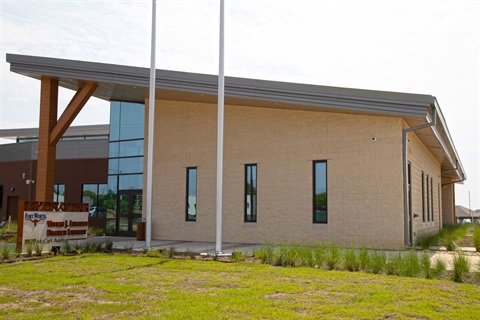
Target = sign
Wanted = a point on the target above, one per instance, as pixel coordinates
(53, 227)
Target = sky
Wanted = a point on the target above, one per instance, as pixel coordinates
(427, 47)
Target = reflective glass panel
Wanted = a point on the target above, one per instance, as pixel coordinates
(131, 148)
(113, 149)
(114, 120)
(191, 194)
(320, 192)
(130, 182)
(250, 193)
(130, 165)
(131, 121)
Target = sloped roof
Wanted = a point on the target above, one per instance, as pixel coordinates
(126, 83)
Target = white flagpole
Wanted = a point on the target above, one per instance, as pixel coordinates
(221, 88)
(151, 116)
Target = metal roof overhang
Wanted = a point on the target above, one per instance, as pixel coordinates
(126, 83)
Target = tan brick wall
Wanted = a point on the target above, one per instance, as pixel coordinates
(422, 160)
(448, 204)
(365, 195)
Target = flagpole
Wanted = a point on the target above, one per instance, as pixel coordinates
(221, 89)
(151, 116)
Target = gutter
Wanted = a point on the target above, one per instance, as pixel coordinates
(408, 223)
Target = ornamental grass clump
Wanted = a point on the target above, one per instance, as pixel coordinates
(427, 240)
(363, 259)
(66, 248)
(410, 266)
(476, 238)
(350, 260)
(318, 256)
(264, 254)
(461, 267)
(333, 257)
(29, 249)
(394, 265)
(239, 256)
(377, 262)
(288, 256)
(38, 248)
(439, 269)
(6, 251)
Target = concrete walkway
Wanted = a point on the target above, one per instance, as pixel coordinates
(122, 243)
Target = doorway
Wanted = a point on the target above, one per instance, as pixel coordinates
(129, 212)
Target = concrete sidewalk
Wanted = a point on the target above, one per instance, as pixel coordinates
(197, 247)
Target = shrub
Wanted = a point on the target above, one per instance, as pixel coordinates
(171, 252)
(66, 248)
(108, 245)
(426, 240)
(410, 266)
(377, 262)
(461, 267)
(239, 256)
(350, 261)
(476, 238)
(152, 253)
(363, 259)
(190, 253)
(38, 248)
(29, 249)
(264, 254)
(332, 257)
(6, 251)
(448, 241)
(288, 256)
(425, 266)
(439, 269)
(128, 247)
(79, 247)
(394, 266)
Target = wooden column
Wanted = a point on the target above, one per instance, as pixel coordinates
(51, 131)
(46, 151)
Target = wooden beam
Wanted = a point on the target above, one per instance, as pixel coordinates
(74, 107)
(46, 151)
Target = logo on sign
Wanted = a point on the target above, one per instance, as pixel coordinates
(35, 217)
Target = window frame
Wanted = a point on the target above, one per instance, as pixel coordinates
(314, 183)
(431, 198)
(428, 199)
(187, 193)
(254, 201)
(423, 196)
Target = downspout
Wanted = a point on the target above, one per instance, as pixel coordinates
(406, 214)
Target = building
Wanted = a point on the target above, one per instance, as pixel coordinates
(302, 163)
(465, 215)
(82, 164)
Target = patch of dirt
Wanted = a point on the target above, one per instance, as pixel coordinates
(466, 242)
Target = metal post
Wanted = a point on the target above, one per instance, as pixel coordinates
(151, 116)
(470, 208)
(221, 88)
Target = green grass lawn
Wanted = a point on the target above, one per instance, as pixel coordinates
(113, 286)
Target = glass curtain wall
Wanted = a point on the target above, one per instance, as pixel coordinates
(125, 164)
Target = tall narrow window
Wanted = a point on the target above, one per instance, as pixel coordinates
(320, 192)
(250, 193)
(431, 197)
(191, 198)
(423, 197)
(428, 200)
